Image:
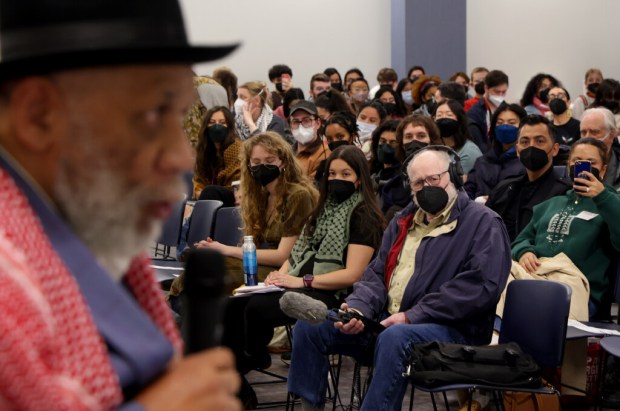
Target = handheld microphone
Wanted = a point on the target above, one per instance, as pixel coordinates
(303, 307)
(203, 301)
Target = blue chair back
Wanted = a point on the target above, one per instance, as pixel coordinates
(228, 226)
(171, 229)
(535, 317)
(202, 220)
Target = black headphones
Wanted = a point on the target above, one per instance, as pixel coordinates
(455, 170)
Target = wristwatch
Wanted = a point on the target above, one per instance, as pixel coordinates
(308, 279)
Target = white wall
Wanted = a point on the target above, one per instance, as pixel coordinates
(308, 36)
(560, 37)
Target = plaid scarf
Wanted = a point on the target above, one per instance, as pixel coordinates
(52, 356)
(262, 122)
(328, 241)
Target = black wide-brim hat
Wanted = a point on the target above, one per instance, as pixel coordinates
(42, 36)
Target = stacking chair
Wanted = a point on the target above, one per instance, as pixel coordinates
(535, 317)
(228, 226)
(202, 220)
(171, 231)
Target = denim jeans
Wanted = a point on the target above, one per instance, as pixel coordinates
(312, 343)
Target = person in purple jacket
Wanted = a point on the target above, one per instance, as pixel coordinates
(438, 276)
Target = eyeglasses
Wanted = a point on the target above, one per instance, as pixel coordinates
(554, 96)
(432, 180)
(306, 122)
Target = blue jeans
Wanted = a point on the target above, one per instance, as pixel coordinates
(312, 343)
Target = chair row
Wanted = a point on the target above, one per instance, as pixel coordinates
(208, 219)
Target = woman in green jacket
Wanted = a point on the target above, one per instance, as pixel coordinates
(584, 223)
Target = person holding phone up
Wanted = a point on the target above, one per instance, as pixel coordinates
(584, 224)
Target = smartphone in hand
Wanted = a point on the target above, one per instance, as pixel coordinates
(580, 167)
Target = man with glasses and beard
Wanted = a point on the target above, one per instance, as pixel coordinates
(438, 276)
(92, 100)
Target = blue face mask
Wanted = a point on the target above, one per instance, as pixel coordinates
(506, 134)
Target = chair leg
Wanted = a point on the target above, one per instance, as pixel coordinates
(445, 400)
(335, 377)
(411, 397)
(433, 401)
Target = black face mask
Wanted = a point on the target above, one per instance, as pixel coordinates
(479, 88)
(592, 87)
(557, 106)
(611, 105)
(390, 108)
(337, 86)
(413, 146)
(279, 87)
(386, 154)
(432, 199)
(447, 126)
(571, 173)
(431, 106)
(544, 95)
(340, 190)
(217, 133)
(533, 158)
(265, 173)
(335, 144)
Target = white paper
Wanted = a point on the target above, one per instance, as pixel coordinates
(261, 288)
(586, 215)
(593, 330)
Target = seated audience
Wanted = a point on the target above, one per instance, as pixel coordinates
(386, 160)
(357, 93)
(371, 115)
(319, 84)
(331, 102)
(534, 99)
(404, 89)
(476, 86)
(514, 198)
(277, 199)
(500, 160)
(452, 123)
(423, 92)
(277, 76)
(592, 80)
(583, 224)
(479, 115)
(253, 115)
(341, 129)
(451, 90)
(334, 78)
(351, 75)
(392, 102)
(333, 250)
(217, 154)
(566, 128)
(462, 260)
(608, 96)
(310, 150)
(599, 123)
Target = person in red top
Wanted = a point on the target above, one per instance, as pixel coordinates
(477, 84)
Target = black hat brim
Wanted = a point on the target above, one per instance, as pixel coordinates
(43, 64)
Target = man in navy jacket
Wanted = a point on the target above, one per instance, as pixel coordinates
(438, 276)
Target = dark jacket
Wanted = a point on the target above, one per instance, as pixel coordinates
(510, 201)
(478, 127)
(612, 177)
(489, 170)
(458, 276)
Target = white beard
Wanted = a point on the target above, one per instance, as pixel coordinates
(105, 213)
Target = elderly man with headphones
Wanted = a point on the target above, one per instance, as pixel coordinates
(439, 274)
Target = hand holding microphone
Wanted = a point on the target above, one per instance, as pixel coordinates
(302, 307)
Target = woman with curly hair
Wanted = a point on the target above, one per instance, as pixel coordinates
(217, 153)
(276, 201)
(534, 99)
(253, 113)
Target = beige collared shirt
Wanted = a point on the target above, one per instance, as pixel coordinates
(406, 260)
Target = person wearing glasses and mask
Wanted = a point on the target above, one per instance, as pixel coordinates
(565, 126)
(276, 200)
(438, 276)
(309, 148)
(600, 123)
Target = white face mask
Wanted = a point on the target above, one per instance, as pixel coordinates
(496, 100)
(407, 99)
(239, 106)
(303, 135)
(365, 131)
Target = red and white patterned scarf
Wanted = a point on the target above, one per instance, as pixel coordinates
(51, 354)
